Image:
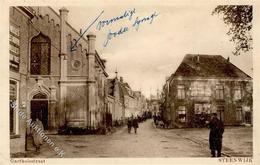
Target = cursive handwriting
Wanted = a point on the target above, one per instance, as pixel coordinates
(128, 15)
(112, 35)
(103, 23)
(145, 19)
(150, 18)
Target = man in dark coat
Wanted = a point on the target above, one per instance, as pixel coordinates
(215, 136)
(129, 125)
(135, 124)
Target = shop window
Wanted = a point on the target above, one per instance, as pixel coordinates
(13, 104)
(180, 92)
(202, 108)
(40, 55)
(182, 114)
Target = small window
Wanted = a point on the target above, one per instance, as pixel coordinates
(237, 92)
(219, 92)
(180, 92)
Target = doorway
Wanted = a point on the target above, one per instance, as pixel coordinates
(39, 109)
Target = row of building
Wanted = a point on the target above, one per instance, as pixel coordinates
(206, 84)
(123, 102)
(60, 86)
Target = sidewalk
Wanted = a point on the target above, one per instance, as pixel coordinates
(237, 141)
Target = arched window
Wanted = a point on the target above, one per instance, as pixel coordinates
(40, 55)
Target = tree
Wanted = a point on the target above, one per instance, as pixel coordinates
(239, 19)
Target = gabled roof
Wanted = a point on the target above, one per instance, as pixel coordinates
(125, 89)
(208, 66)
(111, 85)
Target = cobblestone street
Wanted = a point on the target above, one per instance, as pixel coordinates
(149, 142)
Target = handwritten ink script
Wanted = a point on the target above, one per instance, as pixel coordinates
(128, 15)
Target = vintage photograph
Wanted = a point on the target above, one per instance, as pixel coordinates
(131, 81)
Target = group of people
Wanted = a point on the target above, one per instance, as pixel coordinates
(132, 122)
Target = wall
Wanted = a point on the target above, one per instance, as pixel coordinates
(17, 142)
(229, 102)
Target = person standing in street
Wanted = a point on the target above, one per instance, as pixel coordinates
(37, 139)
(129, 125)
(135, 124)
(215, 136)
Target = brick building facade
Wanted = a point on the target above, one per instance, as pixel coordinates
(48, 80)
(205, 84)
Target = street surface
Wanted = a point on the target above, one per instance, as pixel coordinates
(148, 142)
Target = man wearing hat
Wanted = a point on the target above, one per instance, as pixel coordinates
(215, 136)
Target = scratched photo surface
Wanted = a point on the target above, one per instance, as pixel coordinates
(131, 81)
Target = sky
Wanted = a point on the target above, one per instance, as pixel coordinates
(145, 57)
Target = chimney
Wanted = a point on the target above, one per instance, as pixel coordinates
(63, 65)
(91, 79)
(63, 42)
(121, 79)
(228, 59)
(198, 58)
(91, 43)
(198, 62)
(91, 55)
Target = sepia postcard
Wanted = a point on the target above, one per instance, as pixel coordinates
(126, 82)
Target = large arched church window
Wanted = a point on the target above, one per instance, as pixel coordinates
(40, 55)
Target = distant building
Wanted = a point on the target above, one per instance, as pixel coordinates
(128, 96)
(116, 104)
(205, 84)
(154, 104)
(123, 101)
(141, 103)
